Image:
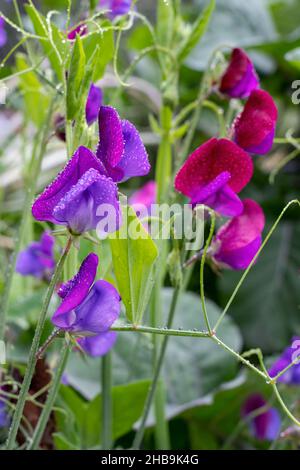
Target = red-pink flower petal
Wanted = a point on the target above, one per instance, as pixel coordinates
(240, 78)
(215, 161)
(255, 127)
(237, 242)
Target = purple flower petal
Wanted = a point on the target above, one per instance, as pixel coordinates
(38, 258)
(145, 196)
(237, 242)
(98, 345)
(267, 424)
(76, 290)
(292, 376)
(63, 188)
(4, 416)
(79, 207)
(93, 104)
(115, 7)
(120, 148)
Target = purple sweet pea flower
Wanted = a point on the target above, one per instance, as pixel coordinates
(81, 30)
(93, 104)
(237, 242)
(292, 376)
(240, 78)
(120, 149)
(266, 425)
(115, 7)
(75, 197)
(98, 345)
(38, 258)
(4, 416)
(88, 308)
(213, 175)
(3, 34)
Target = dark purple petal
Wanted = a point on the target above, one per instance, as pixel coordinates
(93, 104)
(3, 35)
(4, 416)
(111, 144)
(120, 148)
(115, 7)
(82, 161)
(75, 291)
(237, 242)
(98, 345)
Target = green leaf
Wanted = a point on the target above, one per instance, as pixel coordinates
(80, 426)
(198, 30)
(61, 442)
(133, 261)
(75, 77)
(36, 102)
(58, 46)
(105, 43)
(293, 57)
(267, 305)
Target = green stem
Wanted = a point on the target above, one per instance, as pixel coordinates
(52, 394)
(161, 331)
(34, 348)
(284, 407)
(107, 410)
(239, 284)
(140, 433)
(34, 167)
(202, 265)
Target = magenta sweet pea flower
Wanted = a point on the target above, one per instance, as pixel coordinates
(266, 425)
(240, 78)
(74, 198)
(81, 30)
(292, 376)
(93, 104)
(213, 175)
(3, 34)
(115, 7)
(38, 258)
(254, 129)
(143, 198)
(238, 241)
(88, 308)
(120, 149)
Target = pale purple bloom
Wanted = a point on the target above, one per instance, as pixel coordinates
(266, 425)
(120, 149)
(38, 258)
(240, 78)
(237, 242)
(292, 376)
(75, 197)
(88, 308)
(98, 345)
(4, 416)
(3, 34)
(143, 198)
(81, 30)
(115, 7)
(93, 104)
